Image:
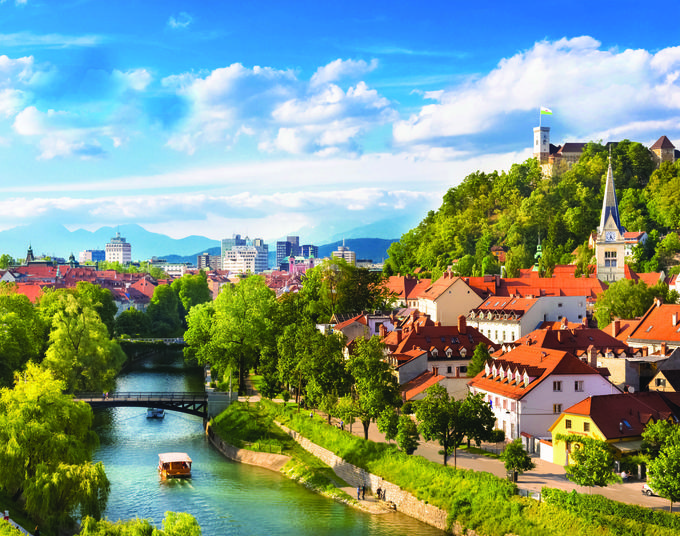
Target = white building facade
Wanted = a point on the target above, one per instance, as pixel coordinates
(118, 250)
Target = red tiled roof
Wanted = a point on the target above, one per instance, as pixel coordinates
(658, 324)
(539, 364)
(406, 288)
(418, 384)
(621, 328)
(575, 341)
(507, 304)
(626, 414)
(663, 143)
(439, 337)
(32, 291)
(361, 319)
(440, 286)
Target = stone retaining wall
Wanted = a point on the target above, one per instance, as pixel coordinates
(274, 462)
(356, 476)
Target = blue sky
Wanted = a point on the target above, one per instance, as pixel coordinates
(311, 118)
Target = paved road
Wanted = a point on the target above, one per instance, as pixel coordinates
(545, 474)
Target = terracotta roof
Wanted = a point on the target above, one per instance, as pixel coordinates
(418, 384)
(575, 341)
(630, 236)
(32, 291)
(621, 328)
(503, 304)
(572, 147)
(439, 337)
(407, 288)
(625, 415)
(538, 363)
(660, 323)
(361, 319)
(663, 143)
(440, 286)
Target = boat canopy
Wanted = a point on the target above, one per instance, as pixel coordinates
(170, 457)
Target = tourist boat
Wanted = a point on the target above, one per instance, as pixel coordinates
(155, 413)
(174, 464)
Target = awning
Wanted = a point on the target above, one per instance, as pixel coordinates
(628, 446)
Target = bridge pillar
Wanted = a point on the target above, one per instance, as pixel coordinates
(218, 401)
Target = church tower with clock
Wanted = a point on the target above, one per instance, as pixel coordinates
(610, 246)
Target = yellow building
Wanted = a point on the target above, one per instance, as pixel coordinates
(617, 419)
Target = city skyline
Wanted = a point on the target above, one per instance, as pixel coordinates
(268, 120)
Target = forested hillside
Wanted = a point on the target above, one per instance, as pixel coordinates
(514, 208)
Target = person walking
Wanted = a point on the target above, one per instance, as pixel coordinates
(358, 493)
(363, 492)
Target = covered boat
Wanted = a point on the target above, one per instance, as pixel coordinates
(155, 413)
(174, 464)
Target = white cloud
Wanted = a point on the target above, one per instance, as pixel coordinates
(283, 112)
(30, 39)
(585, 86)
(137, 79)
(340, 68)
(181, 21)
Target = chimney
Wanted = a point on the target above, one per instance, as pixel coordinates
(561, 336)
(462, 325)
(437, 324)
(498, 279)
(398, 335)
(592, 356)
(674, 319)
(616, 327)
(663, 348)
(417, 327)
(658, 302)
(645, 351)
(565, 322)
(435, 371)
(382, 330)
(584, 321)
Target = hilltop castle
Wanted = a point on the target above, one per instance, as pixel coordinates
(554, 158)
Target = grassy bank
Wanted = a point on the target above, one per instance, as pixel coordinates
(251, 426)
(478, 500)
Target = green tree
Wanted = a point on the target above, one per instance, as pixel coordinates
(623, 299)
(375, 387)
(6, 261)
(346, 409)
(440, 419)
(593, 461)
(163, 312)
(240, 327)
(658, 435)
(174, 524)
(102, 301)
(80, 352)
(388, 422)
(46, 443)
(516, 458)
(199, 333)
(478, 417)
(664, 473)
(191, 290)
(134, 323)
(407, 434)
(479, 358)
(23, 335)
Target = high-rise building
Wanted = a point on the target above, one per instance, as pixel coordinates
(229, 243)
(291, 246)
(92, 255)
(118, 250)
(210, 262)
(245, 255)
(345, 253)
(308, 250)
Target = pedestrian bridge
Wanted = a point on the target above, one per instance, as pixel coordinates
(201, 404)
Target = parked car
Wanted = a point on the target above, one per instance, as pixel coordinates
(646, 490)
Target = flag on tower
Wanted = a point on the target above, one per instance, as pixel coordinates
(546, 111)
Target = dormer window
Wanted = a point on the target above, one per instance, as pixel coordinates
(463, 352)
(493, 369)
(487, 369)
(435, 352)
(449, 352)
(526, 379)
(502, 373)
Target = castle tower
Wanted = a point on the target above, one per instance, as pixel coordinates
(663, 150)
(610, 246)
(542, 144)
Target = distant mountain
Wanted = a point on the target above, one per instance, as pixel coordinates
(58, 241)
(385, 229)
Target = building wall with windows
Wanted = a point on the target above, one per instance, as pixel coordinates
(118, 250)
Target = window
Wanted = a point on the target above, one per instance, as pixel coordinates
(578, 386)
(559, 305)
(567, 424)
(462, 370)
(448, 370)
(495, 335)
(504, 336)
(557, 408)
(505, 404)
(610, 259)
(660, 382)
(497, 402)
(586, 427)
(557, 386)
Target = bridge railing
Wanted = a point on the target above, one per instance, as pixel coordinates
(141, 396)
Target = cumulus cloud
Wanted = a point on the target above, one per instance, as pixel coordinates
(285, 113)
(181, 21)
(340, 68)
(585, 86)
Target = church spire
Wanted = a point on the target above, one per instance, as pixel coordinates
(610, 207)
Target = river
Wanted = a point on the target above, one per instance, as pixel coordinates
(226, 498)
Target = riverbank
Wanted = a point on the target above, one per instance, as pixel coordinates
(299, 470)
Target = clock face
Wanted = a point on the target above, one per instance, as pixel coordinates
(610, 236)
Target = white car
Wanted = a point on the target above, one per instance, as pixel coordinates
(646, 490)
